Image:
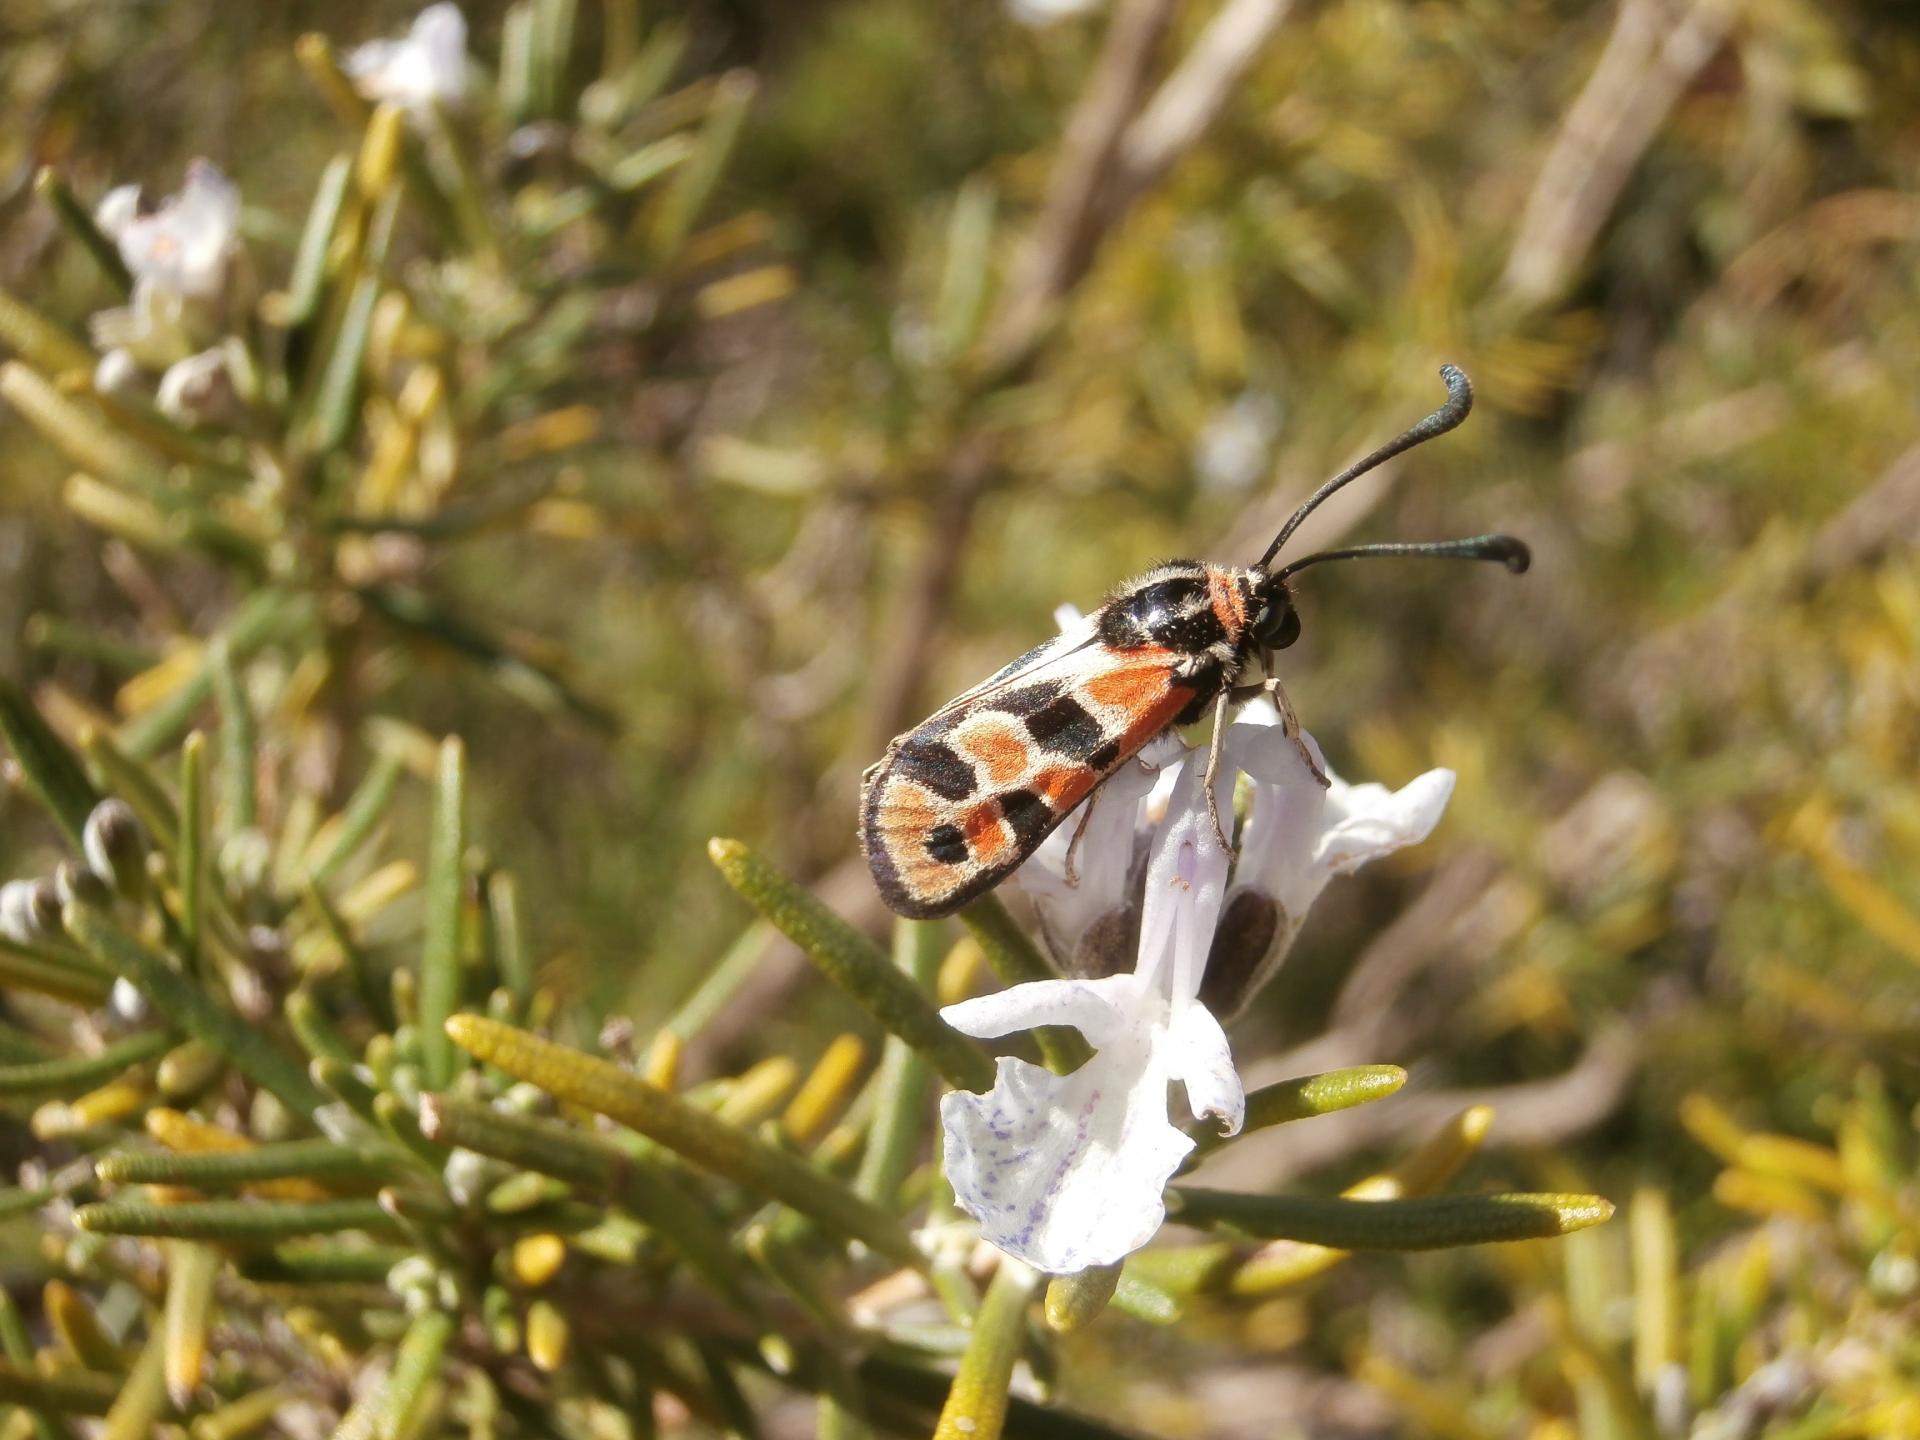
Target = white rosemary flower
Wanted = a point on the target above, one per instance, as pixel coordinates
(427, 66)
(185, 257)
(187, 246)
(1066, 1172)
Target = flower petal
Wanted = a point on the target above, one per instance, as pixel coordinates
(1101, 1010)
(1365, 822)
(1186, 884)
(117, 209)
(428, 66)
(1066, 1171)
(184, 246)
(1199, 1058)
(1088, 918)
(196, 389)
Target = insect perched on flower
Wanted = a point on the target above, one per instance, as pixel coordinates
(960, 801)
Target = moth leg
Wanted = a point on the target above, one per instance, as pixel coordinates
(1290, 727)
(1073, 845)
(1214, 751)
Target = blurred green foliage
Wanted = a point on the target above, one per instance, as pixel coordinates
(721, 500)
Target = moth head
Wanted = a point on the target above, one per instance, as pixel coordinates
(1275, 624)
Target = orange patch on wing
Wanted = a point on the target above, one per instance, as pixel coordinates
(906, 807)
(1132, 688)
(1155, 717)
(998, 746)
(987, 838)
(1062, 785)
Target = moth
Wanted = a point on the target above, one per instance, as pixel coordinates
(960, 800)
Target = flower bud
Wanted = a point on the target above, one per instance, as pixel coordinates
(115, 847)
(29, 911)
(468, 1176)
(128, 1005)
(77, 885)
(16, 912)
(414, 1275)
(117, 372)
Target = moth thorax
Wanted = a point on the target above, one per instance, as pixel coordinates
(1171, 608)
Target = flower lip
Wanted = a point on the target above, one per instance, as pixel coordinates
(185, 247)
(427, 66)
(1065, 1172)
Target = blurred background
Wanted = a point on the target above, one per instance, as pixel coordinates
(983, 308)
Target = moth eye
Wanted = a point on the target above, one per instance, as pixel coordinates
(1288, 631)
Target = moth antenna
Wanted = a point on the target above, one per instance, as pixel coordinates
(1509, 551)
(1459, 402)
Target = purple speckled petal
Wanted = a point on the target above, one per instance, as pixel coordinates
(1066, 1171)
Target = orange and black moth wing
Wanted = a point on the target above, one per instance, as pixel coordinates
(958, 803)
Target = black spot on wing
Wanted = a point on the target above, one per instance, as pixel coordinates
(1105, 758)
(1030, 816)
(1066, 727)
(936, 766)
(1027, 699)
(946, 844)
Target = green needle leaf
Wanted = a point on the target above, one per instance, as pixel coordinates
(73, 1076)
(365, 809)
(710, 1143)
(308, 280)
(336, 403)
(76, 1392)
(47, 972)
(900, 1085)
(52, 771)
(50, 187)
(976, 1407)
(680, 208)
(39, 341)
(602, 1171)
(415, 1364)
(855, 964)
(193, 847)
(328, 1263)
(238, 740)
(262, 617)
(1424, 1223)
(253, 1053)
(440, 955)
(1304, 1098)
(78, 431)
(285, 1160)
(234, 1221)
(245, 1416)
(144, 1397)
